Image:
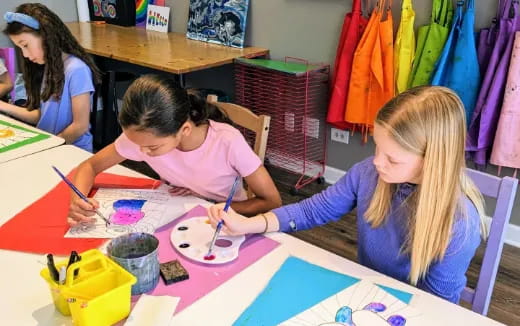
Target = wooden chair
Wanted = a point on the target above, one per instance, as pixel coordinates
(504, 190)
(243, 117)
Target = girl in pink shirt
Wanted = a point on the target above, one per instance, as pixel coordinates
(178, 136)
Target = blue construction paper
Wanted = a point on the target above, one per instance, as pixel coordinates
(401, 295)
(295, 287)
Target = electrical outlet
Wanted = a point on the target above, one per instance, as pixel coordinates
(313, 127)
(339, 135)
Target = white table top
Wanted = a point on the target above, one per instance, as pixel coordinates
(28, 149)
(29, 302)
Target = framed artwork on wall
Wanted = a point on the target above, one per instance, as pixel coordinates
(218, 21)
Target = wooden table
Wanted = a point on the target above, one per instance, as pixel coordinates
(170, 52)
(26, 298)
(37, 146)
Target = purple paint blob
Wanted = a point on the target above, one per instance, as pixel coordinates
(375, 307)
(127, 211)
(223, 243)
(396, 320)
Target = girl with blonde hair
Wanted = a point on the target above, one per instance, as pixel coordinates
(419, 217)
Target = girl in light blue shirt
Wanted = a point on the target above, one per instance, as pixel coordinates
(59, 75)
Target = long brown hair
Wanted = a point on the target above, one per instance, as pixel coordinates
(430, 122)
(56, 39)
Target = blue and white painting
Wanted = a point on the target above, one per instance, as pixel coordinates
(218, 21)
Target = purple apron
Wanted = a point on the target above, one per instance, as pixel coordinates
(506, 148)
(484, 121)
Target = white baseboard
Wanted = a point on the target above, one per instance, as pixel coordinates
(512, 237)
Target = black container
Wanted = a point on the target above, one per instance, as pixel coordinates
(117, 12)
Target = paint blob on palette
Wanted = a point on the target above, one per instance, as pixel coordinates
(192, 238)
(13, 136)
(363, 304)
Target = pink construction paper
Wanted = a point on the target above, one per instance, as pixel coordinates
(205, 278)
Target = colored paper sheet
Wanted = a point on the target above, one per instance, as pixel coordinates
(405, 297)
(295, 287)
(205, 278)
(40, 227)
(14, 136)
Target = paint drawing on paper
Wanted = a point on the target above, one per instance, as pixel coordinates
(141, 9)
(129, 210)
(158, 18)
(218, 21)
(363, 304)
(13, 136)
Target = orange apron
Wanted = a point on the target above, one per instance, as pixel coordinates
(353, 27)
(372, 79)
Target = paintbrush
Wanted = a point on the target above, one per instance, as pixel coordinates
(209, 256)
(80, 194)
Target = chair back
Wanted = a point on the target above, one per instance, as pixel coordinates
(504, 190)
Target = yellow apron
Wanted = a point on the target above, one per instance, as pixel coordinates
(404, 48)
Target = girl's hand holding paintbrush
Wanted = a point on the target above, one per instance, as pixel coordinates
(82, 212)
(236, 224)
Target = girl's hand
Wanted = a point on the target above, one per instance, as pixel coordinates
(234, 223)
(81, 212)
(180, 191)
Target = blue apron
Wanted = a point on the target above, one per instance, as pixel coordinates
(458, 66)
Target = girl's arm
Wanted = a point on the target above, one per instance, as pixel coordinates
(20, 113)
(326, 206)
(266, 197)
(80, 118)
(6, 85)
(84, 179)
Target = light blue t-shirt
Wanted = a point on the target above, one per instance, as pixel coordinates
(56, 115)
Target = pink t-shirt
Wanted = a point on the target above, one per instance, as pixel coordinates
(209, 170)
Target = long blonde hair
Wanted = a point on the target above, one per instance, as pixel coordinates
(428, 121)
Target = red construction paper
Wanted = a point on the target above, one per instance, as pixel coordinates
(40, 227)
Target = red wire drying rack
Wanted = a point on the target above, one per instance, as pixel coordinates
(294, 93)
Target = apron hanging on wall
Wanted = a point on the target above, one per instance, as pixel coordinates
(458, 67)
(484, 121)
(372, 80)
(487, 39)
(404, 49)
(506, 148)
(430, 42)
(353, 27)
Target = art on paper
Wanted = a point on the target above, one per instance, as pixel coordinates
(141, 9)
(13, 136)
(218, 21)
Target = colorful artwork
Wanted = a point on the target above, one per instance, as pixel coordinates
(13, 136)
(158, 18)
(127, 211)
(218, 21)
(141, 11)
(363, 304)
(139, 211)
(301, 293)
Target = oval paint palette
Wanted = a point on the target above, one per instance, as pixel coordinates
(192, 238)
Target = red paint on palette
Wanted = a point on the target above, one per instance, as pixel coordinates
(210, 257)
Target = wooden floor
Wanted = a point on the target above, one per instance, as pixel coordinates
(341, 238)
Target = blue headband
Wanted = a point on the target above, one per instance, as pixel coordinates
(21, 18)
